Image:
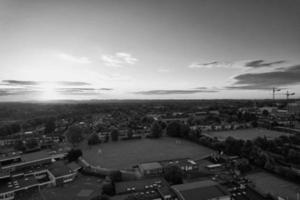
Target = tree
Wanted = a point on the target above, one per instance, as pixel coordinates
(156, 130)
(243, 165)
(293, 156)
(184, 130)
(19, 145)
(174, 175)
(94, 139)
(50, 126)
(115, 135)
(74, 135)
(108, 188)
(173, 129)
(129, 133)
(73, 155)
(32, 144)
(265, 113)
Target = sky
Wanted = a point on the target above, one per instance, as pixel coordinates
(148, 49)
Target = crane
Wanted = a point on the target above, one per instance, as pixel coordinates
(274, 91)
(288, 94)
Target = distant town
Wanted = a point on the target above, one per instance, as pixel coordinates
(150, 150)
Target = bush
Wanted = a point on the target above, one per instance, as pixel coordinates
(94, 139)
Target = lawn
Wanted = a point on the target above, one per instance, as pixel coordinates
(82, 188)
(247, 134)
(125, 154)
(272, 184)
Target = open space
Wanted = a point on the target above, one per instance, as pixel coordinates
(83, 188)
(125, 154)
(247, 134)
(269, 183)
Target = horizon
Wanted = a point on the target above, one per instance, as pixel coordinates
(73, 50)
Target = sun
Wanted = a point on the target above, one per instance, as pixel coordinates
(49, 91)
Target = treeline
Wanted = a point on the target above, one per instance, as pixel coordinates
(9, 129)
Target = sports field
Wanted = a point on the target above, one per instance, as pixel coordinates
(274, 185)
(125, 154)
(247, 134)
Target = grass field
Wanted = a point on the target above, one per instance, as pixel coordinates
(125, 154)
(247, 134)
(274, 185)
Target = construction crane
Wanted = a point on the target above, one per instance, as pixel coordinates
(274, 91)
(288, 94)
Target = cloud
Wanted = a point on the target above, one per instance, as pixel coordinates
(78, 91)
(36, 83)
(18, 82)
(240, 64)
(62, 91)
(214, 64)
(167, 92)
(72, 83)
(267, 80)
(262, 63)
(74, 59)
(119, 59)
(17, 91)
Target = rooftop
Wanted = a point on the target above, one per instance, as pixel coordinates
(201, 190)
(59, 169)
(149, 166)
(182, 161)
(140, 185)
(18, 184)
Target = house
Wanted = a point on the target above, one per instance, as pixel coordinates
(201, 190)
(151, 169)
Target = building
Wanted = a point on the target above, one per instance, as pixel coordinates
(9, 159)
(201, 190)
(294, 108)
(151, 169)
(60, 174)
(186, 165)
(31, 166)
(153, 188)
(13, 187)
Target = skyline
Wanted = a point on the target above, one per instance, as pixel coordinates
(138, 49)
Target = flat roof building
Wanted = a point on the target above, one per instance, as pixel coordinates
(153, 188)
(8, 189)
(151, 169)
(201, 190)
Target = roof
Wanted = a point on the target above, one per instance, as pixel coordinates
(201, 190)
(4, 174)
(33, 162)
(74, 166)
(150, 166)
(6, 157)
(18, 184)
(248, 194)
(180, 162)
(139, 185)
(59, 169)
